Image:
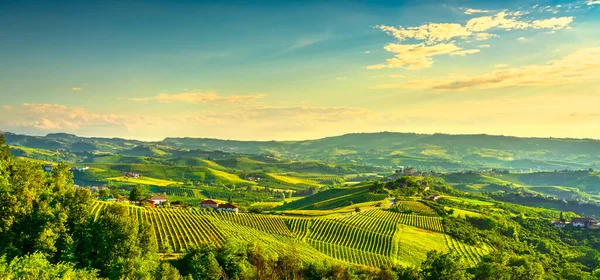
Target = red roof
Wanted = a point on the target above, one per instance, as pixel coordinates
(226, 206)
(210, 201)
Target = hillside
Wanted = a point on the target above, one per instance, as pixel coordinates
(439, 152)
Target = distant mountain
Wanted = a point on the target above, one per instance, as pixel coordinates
(438, 152)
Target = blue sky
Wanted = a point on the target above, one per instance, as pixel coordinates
(295, 70)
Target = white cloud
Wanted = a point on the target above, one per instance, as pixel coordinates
(503, 65)
(76, 89)
(552, 23)
(429, 33)
(475, 11)
(418, 56)
(522, 39)
(435, 35)
(579, 67)
(198, 97)
(340, 78)
(484, 46)
(367, 52)
(593, 2)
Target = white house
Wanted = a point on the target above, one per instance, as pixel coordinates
(158, 199)
(209, 204)
(227, 208)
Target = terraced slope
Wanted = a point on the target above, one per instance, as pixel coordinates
(371, 238)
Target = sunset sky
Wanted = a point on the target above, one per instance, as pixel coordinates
(290, 70)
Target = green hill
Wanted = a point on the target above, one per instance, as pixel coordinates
(334, 198)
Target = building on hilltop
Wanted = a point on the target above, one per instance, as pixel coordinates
(584, 222)
(209, 204)
(559, 224)
(227, 208)
(47, 167)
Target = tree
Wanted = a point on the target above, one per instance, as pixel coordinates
(136, 193)
(440, 266)
(201, 263)
(104, 193)
(119, 247)
(5, 154)
(36, 266)
(168, 272)
(114, 191)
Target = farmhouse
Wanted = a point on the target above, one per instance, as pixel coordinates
(47, 167)
(227, 208)
(131, 175)
(559, 224)
(583, 222)
(434, 196)
(158, 200)
(209, 204)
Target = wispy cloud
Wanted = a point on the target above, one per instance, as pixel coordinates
(198, 97)
(593, 2)
(522, 39)
(476, 11)
(578, 67)
(306, 41)
(76, 88)
(503, 65)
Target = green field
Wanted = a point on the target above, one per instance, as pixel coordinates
(144, 181)
(370, 238)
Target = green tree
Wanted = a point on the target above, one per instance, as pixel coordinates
(136, 193)
(440, 266)
(36, 266)
(201, 263)
(104, 193)
(168, 272)
(114, 191)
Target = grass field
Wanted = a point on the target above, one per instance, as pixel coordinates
(293, 180)
(144, 181)
(469, 201)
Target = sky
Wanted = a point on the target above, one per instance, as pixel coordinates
(293, 70)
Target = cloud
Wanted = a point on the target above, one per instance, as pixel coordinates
(522, 39)
(198, 97)
(484, 46)
(396, 76)
(340, 78)
(579, 67)
(429, 33)
(55, 117)
(419, 56)
(443, 35)
(500, 65)
(305, 42)
(367, 52)
(475, 11)
(76, 89)
(593, 2)
(552, 23)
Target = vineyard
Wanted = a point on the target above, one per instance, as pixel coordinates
(414, 206)
(334, 198)
(185, 192)
(371, 238)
